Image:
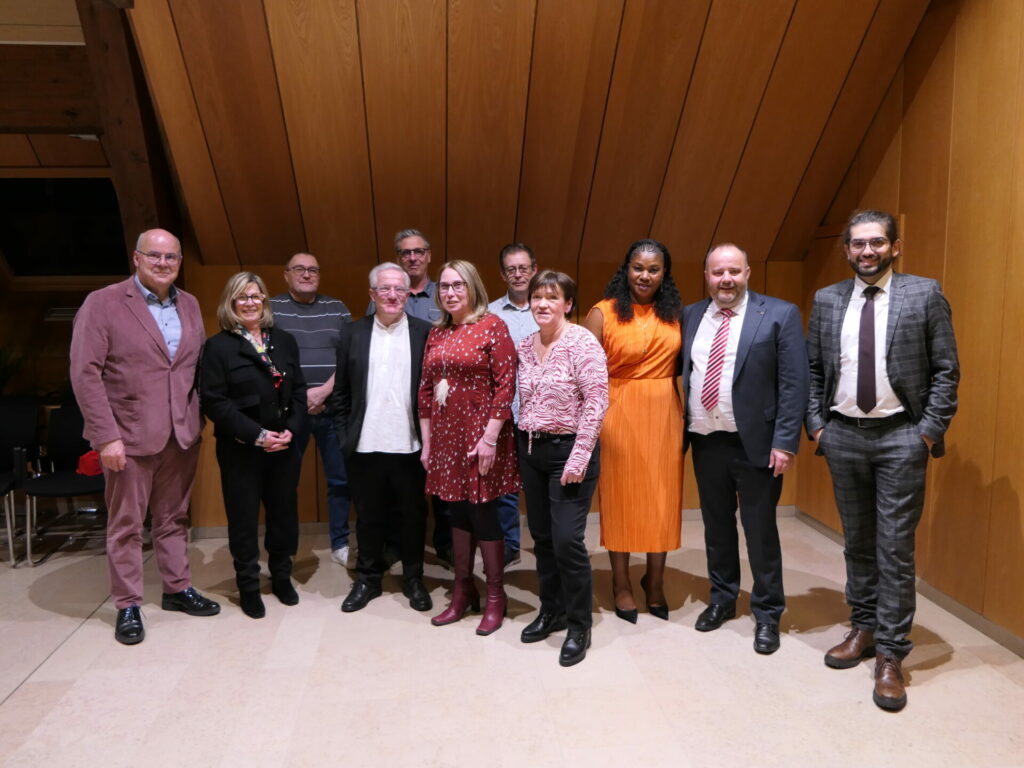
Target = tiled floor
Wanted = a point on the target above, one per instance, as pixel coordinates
(309, 685)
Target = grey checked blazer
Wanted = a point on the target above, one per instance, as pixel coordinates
(920, 353)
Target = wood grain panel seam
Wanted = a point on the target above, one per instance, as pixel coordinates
(447, 56)
(600, 138)
(366, 132)
(750, 130)
(206, 140)
(526, 117)
(679, 120)
(284, 123)
(824, 129)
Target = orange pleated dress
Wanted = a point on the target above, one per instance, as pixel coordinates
(641, 482)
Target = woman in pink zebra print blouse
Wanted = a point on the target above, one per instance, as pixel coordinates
(563, 393)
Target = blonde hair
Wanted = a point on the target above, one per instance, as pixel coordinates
(226, 315)
(475, 290)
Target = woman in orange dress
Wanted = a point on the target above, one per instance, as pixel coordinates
(641, 483)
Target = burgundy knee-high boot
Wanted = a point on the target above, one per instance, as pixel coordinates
(497, 600)
(464, 594)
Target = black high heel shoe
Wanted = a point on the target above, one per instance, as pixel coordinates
(627, 615)
(658, 611)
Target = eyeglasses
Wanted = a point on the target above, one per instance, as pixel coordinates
(876, 243)
(250, 298)
(155, 257)
(522, 269)
(459, 286)
(298, 269)
(387, 290)
(405, 253)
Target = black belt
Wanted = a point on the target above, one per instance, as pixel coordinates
(897, 419)
(548, 435)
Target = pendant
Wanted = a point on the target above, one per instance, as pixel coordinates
(441, 392)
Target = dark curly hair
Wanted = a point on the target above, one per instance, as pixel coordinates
(667, 302)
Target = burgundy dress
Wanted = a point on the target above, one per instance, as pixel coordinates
(479, 361)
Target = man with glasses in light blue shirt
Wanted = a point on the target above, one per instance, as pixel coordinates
(518, 265)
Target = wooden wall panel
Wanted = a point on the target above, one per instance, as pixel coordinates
(39, 21)
(985, 131)
(16, 150)
(47, 89)
(736, 56)
(54, 149)
(880, 150)
(820, 43)
(403, 45)
(657, 48)
(169, 85)
(891, 30)
(489, 47)
(316, 56)
(573, 51)
(928, 111)
(230, 65)
(1004, 574)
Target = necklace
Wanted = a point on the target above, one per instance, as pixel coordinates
(643, 330)
(442, 388)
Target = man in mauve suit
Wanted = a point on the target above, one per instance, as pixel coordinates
(745, 382)
(376, 381)
(134, 350)
(884, 375)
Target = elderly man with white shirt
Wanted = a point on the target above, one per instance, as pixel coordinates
(375, 384)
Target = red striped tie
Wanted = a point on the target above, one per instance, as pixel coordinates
(716, 360)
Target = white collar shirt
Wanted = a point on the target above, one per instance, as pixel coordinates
(720, 418)
(388, 422)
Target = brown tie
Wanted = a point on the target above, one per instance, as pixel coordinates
(866, 397)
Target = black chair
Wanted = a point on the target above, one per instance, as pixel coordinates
(18, 422)
(64, 446)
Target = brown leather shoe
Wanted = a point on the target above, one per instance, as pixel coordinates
(889, 692)
(858, 644)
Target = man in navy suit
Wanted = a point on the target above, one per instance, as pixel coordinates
(376, 382)
(884, 376)
(745, 379)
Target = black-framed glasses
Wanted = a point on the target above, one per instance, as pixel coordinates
(876, 243)
(155, 257)
(299, 269)
(459, 286)
(405, 253)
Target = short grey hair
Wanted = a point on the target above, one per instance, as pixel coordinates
(404, 233)
(387, 266)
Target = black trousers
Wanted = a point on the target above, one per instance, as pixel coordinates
(724, 474)
(248, 476)
(387, 489)
(557, 516)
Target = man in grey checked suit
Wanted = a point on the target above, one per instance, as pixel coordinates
(884, 376)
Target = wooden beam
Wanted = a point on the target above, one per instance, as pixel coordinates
(126, 4)
(47, 89)
(137, 165)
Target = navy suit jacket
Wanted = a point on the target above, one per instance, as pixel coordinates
(348, 401)
(920, 353)
(770, 377)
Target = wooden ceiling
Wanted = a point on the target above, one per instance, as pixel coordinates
(576, 126)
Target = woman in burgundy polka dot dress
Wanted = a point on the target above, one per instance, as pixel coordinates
(465, 400)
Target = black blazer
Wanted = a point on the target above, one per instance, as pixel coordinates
(237, 391)
(770, 379)
(348, 401)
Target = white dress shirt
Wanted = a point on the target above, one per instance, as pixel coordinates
(388, 424)
(849, 348)
(721, 417)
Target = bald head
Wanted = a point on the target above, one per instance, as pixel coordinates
(157, 259)
(726, 270)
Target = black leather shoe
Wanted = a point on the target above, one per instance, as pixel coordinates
(284, 591)
(766, 638)
(657, 611)
(191, 602)
(574, 649)
(416, 591)
(544, 625)
(714, 616)
(359, 596)
(251, 602)
(629, 614)
(128, 629)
